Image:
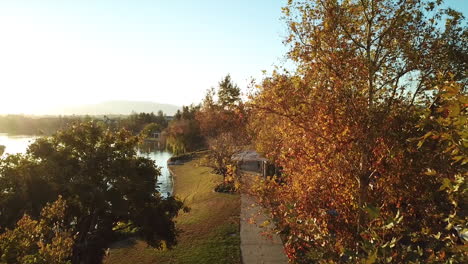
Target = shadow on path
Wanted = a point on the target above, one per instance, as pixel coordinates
(255, 247)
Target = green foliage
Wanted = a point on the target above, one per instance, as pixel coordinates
(228, 93)
(210, 230)
(2, 149)
(101, 178)
(25, 125)
(149, 129)
(183, 133)
(136, 122)
(187, 113)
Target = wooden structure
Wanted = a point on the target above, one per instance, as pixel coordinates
(252, 162)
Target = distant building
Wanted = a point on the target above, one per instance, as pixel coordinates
(159, 138)
(169, 118)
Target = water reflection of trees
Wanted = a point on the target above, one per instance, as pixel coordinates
(148, 147)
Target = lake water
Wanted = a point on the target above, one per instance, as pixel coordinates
(150, 150)
(15, 144)
(18, 144)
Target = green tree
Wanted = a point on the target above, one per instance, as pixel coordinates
(209, 100)
(101, 178)
(150, 128)
(136, 122)
(228, 92)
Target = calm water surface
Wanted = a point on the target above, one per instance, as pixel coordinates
(160, 157)
(15, 144)
(18, 144)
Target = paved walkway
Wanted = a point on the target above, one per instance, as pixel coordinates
(255, 247)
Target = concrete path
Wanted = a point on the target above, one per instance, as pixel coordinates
(255, 247)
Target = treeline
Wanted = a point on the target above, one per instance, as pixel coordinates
(136, 122)
(27, 125)
(47, 125)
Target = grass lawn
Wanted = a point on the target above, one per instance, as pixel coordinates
(210, 231)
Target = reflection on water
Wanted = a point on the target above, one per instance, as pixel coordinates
(18, 144)
(15, 144)
(151, 151)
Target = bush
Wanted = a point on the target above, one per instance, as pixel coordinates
(230, 182)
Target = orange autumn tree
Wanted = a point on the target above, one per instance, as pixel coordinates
(223, 121)
(42, 241)
(344, 127)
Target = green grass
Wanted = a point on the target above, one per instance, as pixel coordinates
(210, 231)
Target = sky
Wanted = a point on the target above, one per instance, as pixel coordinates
(55, 53)
(64, 52)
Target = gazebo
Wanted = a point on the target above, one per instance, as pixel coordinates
(251, 161)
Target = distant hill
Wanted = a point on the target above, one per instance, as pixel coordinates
(117, 108)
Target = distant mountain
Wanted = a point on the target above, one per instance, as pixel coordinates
(118, 108)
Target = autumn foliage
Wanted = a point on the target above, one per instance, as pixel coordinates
(43, 241)
(223, 121)
(370, 131)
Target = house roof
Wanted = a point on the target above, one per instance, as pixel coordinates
(248, 155)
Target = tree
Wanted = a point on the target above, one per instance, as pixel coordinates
(228, 92)
(224, 126)
(342, 125)
(136, 122)
(103, 182)
(2, 149)
(183, 133)
(150, 128)
(183, 136)
(44, 241)
(209, 100)
(222, 147)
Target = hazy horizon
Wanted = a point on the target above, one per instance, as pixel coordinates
(109, 107)
(60, 53)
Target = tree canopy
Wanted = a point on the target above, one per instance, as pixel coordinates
(183, 133)
(101, 178)
(223, 123)
(228, 92)
(43, 241)
(345, 125)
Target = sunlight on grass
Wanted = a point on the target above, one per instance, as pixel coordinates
(209, 232)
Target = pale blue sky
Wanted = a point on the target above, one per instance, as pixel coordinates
(168, 51)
